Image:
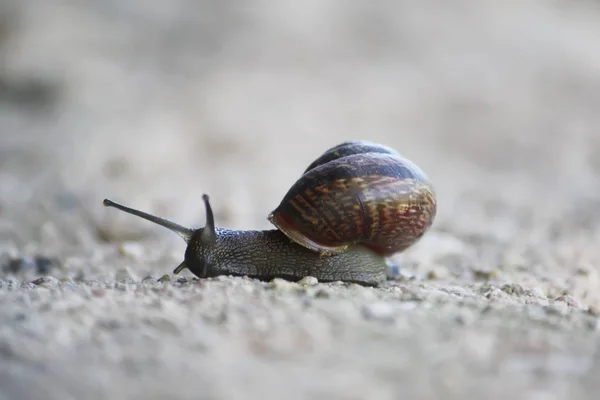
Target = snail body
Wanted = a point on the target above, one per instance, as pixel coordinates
(354, 206)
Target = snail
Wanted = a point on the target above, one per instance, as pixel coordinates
(353, 207)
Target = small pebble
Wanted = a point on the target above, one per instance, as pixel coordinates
(39, 281)
(569, 300)
(149, 279)
(47, 281)
(282, 285)
(535, 292)
(122, 286)
(308, 281)
(496, 294)
(165, 278)
(67, 283)
(513, 288)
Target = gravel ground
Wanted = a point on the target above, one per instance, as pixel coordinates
(154, 103)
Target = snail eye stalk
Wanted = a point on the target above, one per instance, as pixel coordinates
(185, 233)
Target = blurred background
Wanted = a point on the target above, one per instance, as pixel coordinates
(153, 103)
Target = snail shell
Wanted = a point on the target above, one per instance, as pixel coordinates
(358, 192)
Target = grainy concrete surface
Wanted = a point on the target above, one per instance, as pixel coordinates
(154, 103)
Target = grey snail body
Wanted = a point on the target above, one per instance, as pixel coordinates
(354, 206)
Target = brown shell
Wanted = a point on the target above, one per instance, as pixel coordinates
(358, 193)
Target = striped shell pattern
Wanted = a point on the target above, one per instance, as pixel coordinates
(358, 193)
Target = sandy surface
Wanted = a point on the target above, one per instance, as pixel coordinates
(154, 103)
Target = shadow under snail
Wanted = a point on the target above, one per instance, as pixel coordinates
(357, 204)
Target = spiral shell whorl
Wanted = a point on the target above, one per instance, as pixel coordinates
(348, 148)
(358, 192)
